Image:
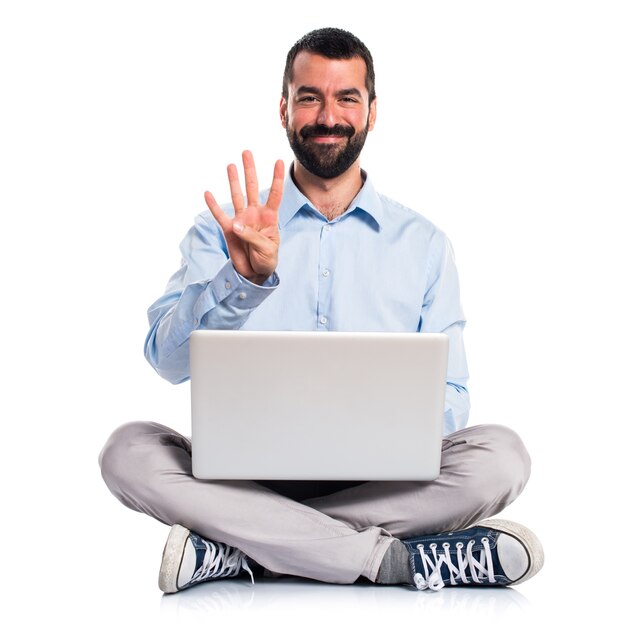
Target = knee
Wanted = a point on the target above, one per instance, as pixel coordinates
(506, 462)
(116, 458)
(514, 456)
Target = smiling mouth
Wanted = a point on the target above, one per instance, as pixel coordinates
(327, 138)
(319, 133)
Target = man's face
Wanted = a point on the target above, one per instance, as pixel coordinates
(327, 115)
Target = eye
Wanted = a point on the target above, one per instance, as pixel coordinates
(307, 99)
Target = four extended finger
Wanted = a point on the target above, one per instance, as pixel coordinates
(235, 189)
(252, 184)
(273, 200)
(220, 217)
(276, 190)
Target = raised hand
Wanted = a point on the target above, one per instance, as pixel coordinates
(252, 235)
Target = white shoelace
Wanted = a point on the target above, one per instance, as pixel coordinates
(221, 561)
(480, 570)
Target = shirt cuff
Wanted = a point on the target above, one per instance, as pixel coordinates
(229, 287)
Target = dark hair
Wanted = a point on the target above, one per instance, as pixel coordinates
(332, 43)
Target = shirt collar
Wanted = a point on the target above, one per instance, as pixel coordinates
(367, 201)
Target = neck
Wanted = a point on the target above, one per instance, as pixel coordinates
(331, 197)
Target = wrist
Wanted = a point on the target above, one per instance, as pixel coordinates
(258, 279)
(255, 279)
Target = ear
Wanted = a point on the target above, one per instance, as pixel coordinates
(372, 115)
(283, 112)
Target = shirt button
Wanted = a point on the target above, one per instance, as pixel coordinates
(242, 296)
(327, 227)
(323, 319)
(228, 285)
(326, 273)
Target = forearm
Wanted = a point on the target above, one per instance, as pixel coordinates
(457, 401)
(442, 313)
(457, 408)
(225, 302)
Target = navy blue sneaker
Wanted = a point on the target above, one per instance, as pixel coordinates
(493, 553)
(188, 559)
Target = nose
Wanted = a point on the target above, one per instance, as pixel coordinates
(327, 114)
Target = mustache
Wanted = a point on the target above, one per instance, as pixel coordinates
(320, 130)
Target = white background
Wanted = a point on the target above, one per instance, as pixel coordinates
(502, 122)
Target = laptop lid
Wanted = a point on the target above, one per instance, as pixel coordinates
(287, 405)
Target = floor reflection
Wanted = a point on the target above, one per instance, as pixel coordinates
(311, 598)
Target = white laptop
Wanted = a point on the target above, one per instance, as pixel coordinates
(287, 405)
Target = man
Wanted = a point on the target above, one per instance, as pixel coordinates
(323, 251)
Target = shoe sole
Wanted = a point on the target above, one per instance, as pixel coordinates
(172, 559)
(526, 537)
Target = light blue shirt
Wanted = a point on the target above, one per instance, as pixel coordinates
(377, 267)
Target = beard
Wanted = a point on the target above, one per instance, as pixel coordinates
(326, 160)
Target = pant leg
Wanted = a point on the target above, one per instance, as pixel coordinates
(483, 469)
(148, 468)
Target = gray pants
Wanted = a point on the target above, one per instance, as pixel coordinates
(329, 531)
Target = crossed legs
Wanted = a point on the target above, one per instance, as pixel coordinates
(334, 537)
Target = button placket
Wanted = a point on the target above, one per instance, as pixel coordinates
(324, 284)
